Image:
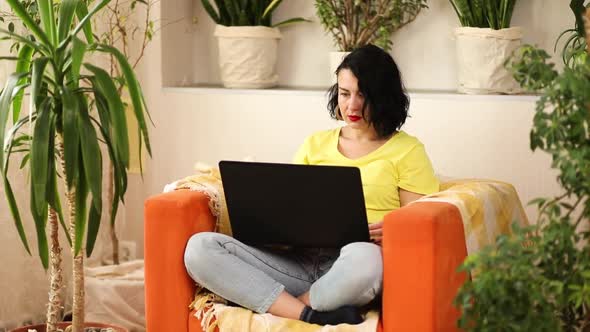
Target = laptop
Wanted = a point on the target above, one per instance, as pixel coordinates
(271, 204)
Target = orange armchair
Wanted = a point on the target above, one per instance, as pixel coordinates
(423, 245)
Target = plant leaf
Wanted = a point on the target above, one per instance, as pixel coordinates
(78, 51)
(48, 19)
(120, 176)
(290, 21)
(5, 101)
(86, 19)
(14, 211)
(22, 13)
(55, 202)
(211, 11)
(66, 16)
(81, 12)
(80, 201)
(38, 72)
(38, 204)
(91, 156)
(270, 8)
(22, 66)
(116, 111)
(71, 138)
(93, 227)
(134, 89)
(40, 153)
(16, 37)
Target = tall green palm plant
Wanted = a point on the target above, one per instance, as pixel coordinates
(74, 107)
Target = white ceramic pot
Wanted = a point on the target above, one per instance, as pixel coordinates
(481, 54)
(335, 61)
(248, 56)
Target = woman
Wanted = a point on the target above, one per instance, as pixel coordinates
(326, 286)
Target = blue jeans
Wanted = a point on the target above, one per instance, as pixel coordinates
(254, 277)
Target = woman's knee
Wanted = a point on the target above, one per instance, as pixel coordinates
(358, 281)
(198, 253)
(366, 262)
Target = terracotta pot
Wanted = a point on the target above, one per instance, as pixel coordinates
(63, 325)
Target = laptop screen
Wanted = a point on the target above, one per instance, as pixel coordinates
(294, 205)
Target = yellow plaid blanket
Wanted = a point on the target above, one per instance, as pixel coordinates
(214, 313)
(488, 208)
(208, 181)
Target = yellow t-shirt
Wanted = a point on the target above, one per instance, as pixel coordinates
(399, 163)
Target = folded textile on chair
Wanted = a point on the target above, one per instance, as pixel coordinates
(214, 313)
(212, 310)
(208, 181)
(488, 208)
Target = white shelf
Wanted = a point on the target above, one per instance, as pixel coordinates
(320, 92)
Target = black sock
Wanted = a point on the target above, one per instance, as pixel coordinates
(343, 315)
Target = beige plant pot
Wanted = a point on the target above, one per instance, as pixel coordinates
(481, 54)
(64, 325)
(248, 56)
(335, 61)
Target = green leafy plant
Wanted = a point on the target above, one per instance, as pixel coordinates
(245, 12)
(540, 279)
(507, 293)
(355, 23)
(74, 107)
(495, 14)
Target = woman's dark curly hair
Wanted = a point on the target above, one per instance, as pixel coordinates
(380, 82)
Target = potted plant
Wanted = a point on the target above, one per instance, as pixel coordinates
(356, 23)
(484, 43)
(248, 41)
(540, 279)
(74, 106)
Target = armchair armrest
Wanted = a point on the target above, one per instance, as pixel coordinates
(423, 245)
(170, 220)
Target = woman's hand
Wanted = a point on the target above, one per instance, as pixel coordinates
(376, 232)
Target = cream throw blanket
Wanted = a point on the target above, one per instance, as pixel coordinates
(208, 181)
(487, 207)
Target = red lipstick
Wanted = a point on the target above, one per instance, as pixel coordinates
(354, 118)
